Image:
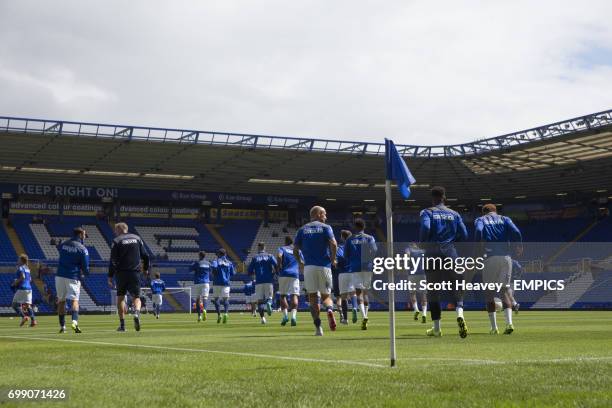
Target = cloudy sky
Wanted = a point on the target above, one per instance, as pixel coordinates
(420, 72)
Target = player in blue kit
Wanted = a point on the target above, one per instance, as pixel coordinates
(440, 228)
(289, 280)
(157, 288)
(318, 245)
(359, 251)
(222, 271)
(73, 264)
(249, 296)
(262, 268)
(22, 299)
(201, 284)
(499, 236)
(346, 286)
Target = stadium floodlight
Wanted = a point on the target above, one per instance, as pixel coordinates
(110, 173)
(451, 199)
(561, 194)
(360, 185)
(226, 203)
(271, 181)
(169, 176)
(272, 205)
(319, 183)
(369, 200)
(485, 199)
(602, 191)
(410, 200)
(520, 196)
(330, 199)
(47, 170)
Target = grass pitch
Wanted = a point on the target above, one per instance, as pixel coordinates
(553, 359)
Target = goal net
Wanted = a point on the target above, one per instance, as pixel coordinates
(173, 300)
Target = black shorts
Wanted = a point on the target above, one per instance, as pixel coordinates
(128, 282)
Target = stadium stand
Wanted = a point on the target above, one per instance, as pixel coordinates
(563, 197)
(273, 235)
(240, 234)
(7, 252)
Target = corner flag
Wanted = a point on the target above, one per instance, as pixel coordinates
(395, 169)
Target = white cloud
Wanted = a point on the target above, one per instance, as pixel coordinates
(60, 83)
(420, 72)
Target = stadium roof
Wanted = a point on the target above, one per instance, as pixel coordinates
(563, 158)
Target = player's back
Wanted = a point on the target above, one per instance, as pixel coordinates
(26, 283)
(73, 258)
(441, 227)
(343, 264)
(290, 266)
(222, 269)
(157, 286)
(359, 251)
(263, 265)
(313, 239)
(127, 252)
(497, 231)
(201, 271)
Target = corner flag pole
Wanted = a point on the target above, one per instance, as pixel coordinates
(389, 216)
(395, 169)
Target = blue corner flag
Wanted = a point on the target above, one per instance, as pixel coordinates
(397, 170)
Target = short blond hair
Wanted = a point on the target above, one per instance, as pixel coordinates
(314, 211)
(24, 259)
(121, 226)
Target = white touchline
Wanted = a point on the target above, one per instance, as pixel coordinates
(478, 361)
(231, 353)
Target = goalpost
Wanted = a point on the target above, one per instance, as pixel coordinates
(176, 299)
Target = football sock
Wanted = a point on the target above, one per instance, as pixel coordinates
(354, 302)
(122, 323)
(62, 320)
(508, 315)
(217, 306)
(285, 312)
(424, 309)
(362, 309)
(459, 310)
(415, 306)
(317, 322)
(75, 316)
(226, 305)
(493, 320)
(205, 306)
(344, 309)
(293, 313)
(436, 325)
